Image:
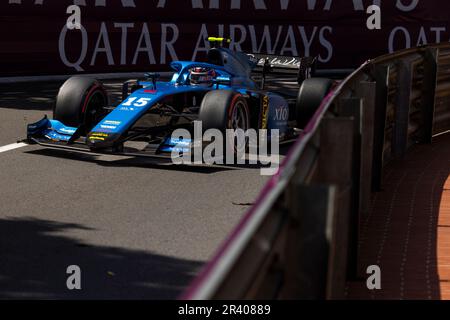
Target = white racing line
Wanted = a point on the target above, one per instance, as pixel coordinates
(13, 146)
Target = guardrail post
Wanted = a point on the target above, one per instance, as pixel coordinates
(259, 274)
(352, 107)
(308, 243)
(402, 111)
(366, 91)
(429, 93)
(335, 168)
(380, 74)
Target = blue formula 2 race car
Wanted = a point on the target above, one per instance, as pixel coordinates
(223, 93)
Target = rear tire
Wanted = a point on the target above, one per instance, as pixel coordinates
(310, 96)
(81, 101)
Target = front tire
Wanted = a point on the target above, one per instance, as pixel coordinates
(81, 101)
(225, 109)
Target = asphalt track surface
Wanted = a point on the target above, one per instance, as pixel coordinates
(137, 230)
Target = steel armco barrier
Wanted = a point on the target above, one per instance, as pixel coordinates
(300, 239)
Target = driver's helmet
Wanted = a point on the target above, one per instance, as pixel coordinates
(200, 76)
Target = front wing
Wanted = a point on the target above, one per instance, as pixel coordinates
(53, 134)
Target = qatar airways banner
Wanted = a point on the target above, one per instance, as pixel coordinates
(145, 35)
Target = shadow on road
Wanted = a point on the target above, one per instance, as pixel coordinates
(29, 96)
(145, 162)
(129, 162)
(42, 95)
(34, 256)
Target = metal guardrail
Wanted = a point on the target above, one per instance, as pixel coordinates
(300, 239)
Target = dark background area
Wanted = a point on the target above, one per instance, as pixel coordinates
(32, 40)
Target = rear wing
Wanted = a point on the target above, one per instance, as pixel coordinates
(302, 67)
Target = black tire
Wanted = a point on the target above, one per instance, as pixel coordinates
(218, 108)
(81, 101)
(310, 96)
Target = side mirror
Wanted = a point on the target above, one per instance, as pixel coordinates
(152, 76)
(133, 84)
